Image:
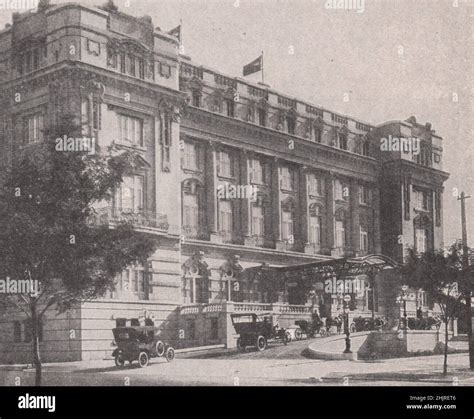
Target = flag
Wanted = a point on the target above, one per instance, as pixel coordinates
(176, 32)
(255, 66)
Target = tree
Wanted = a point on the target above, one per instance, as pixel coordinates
(47, 203)
(439, 273)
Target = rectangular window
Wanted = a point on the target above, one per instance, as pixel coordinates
(421, 200)
(196, 99)
(132, 66)
(262, 117)
(290, 124)
(257, 221)
(363, 195)
(315, 185)
(364, 240)
(165, 140)
(225, 216)
(129, 195)
(315, 230)
(190, 211)
(317, 135)
(420, 240)
(229, 107)
(122, 63)
(16, 331)
(287, 178)
(287, 225)
(130, 130)
(342, 142)
(340, 234)
(33, 125)
(256, 171)
(191, 156)
(28, 325)
(165, 70)
(36, 55)
(141, 68)
(225, 164)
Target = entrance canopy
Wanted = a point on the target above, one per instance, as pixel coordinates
(367, 265)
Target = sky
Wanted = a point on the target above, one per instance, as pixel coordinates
(391, 58)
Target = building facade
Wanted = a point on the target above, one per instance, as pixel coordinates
(234, 175)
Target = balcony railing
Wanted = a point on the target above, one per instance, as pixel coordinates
(235, 307)
(112, 215)
(193, 232)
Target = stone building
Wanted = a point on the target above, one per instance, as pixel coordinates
(321, 187)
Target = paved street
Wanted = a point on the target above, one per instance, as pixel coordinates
(278, 365)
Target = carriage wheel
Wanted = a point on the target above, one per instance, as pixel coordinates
(143, 359)
(298, 334)
(261, 343)
(159, 348)
(240, 345)
(119, 360)
(169, 354)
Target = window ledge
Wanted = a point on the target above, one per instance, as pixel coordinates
(129, 145)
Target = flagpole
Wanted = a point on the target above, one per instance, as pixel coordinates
(263, 80)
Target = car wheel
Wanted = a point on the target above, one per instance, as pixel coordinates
(240, 345)
(261, 343)
(169, 354)
(143, 359)
(159, 348)
(298, 334)
(119, 360)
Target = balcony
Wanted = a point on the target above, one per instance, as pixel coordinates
(145, 219)
(237, 307)
(194, 232)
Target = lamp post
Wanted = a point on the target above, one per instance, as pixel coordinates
(402, 299)
(347, 330)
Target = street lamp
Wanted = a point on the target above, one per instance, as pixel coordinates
(347, 330)
(402, 298)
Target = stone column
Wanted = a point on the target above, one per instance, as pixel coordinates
(276, 203)
(303, 211)
(376, 240)
(354, 211)
(245, 204)
(328, 220)
(211, 190)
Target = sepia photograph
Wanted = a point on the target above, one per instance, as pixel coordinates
(237, 193)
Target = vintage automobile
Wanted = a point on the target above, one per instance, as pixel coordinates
(257, 329)
(139, 343)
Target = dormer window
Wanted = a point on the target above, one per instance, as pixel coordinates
(196, 99)
(262, 117)
(342, 141)
(229, 108)
(290, 124)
